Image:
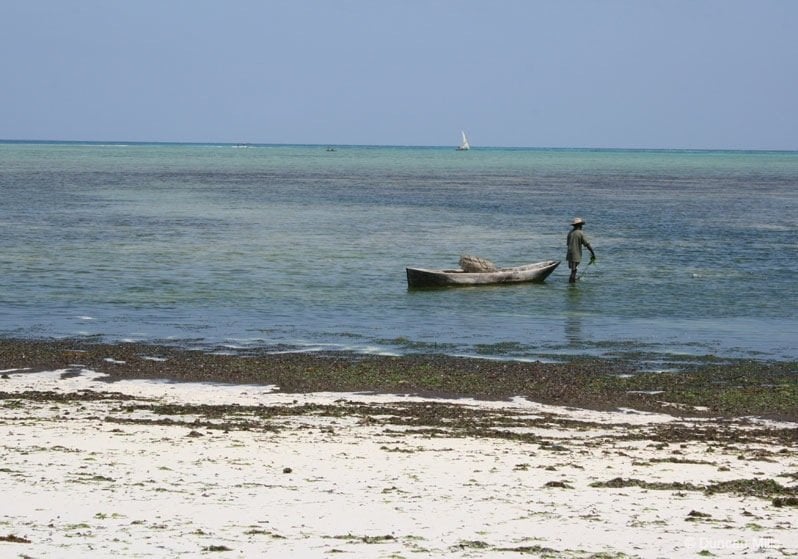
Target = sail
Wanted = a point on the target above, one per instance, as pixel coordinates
(464, 145)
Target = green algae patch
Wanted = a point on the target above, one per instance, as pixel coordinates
(708, 385)
(763, 488)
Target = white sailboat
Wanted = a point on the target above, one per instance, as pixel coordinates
(464, 145)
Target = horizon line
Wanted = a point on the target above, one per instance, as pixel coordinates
(344, 145)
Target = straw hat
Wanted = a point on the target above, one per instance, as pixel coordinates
(578, 221)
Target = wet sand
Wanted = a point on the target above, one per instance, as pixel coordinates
(319, 455)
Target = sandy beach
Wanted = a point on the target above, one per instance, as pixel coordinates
(95, 464)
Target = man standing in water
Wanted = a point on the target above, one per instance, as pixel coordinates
(576, 238)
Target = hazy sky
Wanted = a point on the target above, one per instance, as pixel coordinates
(553, 73)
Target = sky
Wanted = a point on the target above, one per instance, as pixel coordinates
(670, 74)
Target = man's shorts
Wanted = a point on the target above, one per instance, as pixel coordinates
(572, 265)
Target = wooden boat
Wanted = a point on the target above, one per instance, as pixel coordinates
(537, 272)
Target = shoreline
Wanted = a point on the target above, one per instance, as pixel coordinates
(710, 387)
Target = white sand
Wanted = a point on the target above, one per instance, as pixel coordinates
(74, 484)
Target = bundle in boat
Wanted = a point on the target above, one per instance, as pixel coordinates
(476, 264)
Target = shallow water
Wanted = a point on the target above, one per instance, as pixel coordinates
(300, 247)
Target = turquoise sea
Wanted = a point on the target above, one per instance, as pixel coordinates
(300, 248)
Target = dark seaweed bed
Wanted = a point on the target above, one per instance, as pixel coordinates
(726, 388)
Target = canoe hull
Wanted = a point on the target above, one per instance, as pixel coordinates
(537, 272)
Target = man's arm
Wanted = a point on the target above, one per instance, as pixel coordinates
(590, 248)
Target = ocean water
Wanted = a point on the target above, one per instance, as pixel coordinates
(299, 248)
